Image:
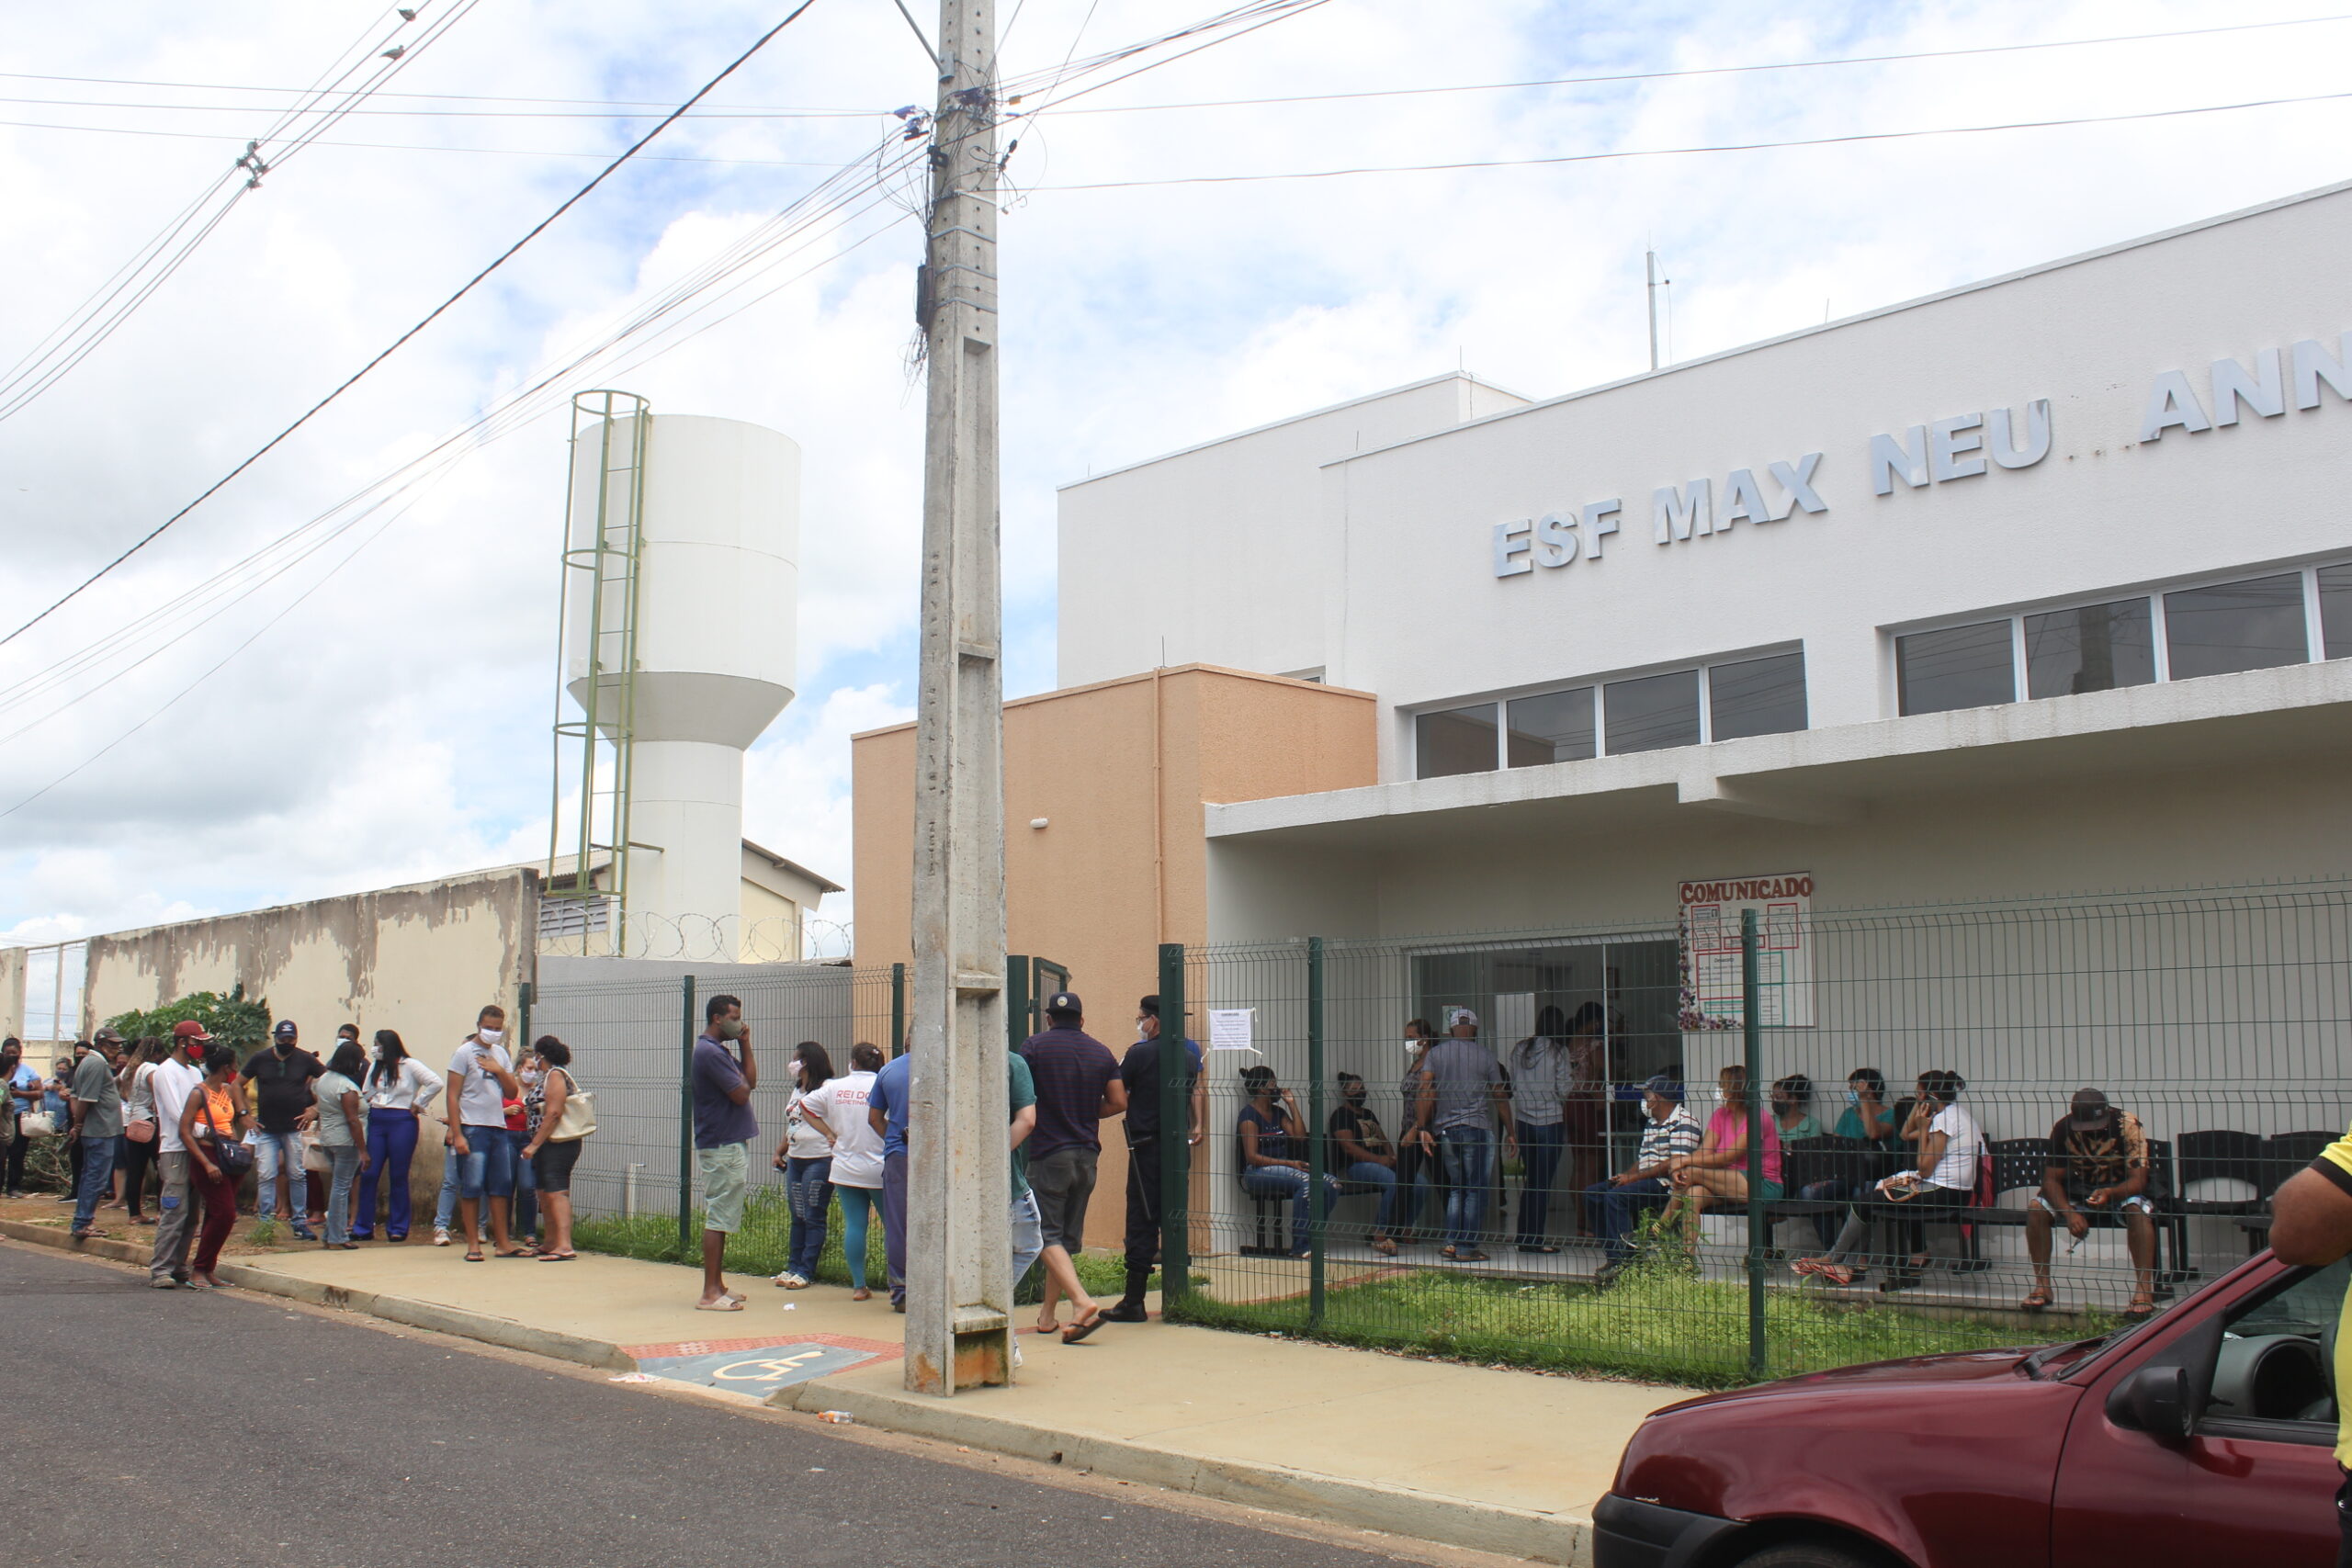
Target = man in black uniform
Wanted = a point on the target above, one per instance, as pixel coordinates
(1140, 1072)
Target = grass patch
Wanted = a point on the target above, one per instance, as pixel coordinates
(1658, 1322)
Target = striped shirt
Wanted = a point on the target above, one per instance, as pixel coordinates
(1678, 1134)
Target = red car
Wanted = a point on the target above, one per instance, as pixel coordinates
(2203, 1437)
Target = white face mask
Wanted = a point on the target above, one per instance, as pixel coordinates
(490, 1036)
(1722, 1095)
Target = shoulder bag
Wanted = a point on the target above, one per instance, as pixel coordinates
(234, 1157)
(36, 1124)
(579, 1116)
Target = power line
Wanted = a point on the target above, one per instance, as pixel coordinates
(422, 146)
(430, 317)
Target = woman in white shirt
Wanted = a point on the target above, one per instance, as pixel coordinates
(806, 1157)
(398, 1090)
(137, 1084)
(840, 1110)
(1951, 1148)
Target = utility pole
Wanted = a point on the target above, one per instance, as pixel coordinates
(1650, 257)
(959, 1253)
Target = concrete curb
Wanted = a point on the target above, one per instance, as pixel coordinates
(505, 1332)
(1398, 1510)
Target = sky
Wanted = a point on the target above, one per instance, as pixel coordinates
(379, 712)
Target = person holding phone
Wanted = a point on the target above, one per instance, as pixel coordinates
(481, 1080)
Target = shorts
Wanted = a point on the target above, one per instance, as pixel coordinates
(725, 1174)
(1028, 1235)
(1063, 1182)
(551, 1166)
(2075, 1195)
(487, 1168)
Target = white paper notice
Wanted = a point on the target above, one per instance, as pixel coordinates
(1231, 1028)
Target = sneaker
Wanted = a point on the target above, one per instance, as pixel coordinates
(440, 1236)
(788, 1280)
(304, 1233)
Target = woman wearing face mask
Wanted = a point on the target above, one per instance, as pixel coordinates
(1362, 1157)
(397, 1089)
(1416, 1167)
(806, 1157)
(1865, 1122)
(1719, 1169)
(23, 1087)
(1793, 1109)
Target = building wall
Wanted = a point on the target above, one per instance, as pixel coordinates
(1120, 772)
(771, 925)
(1205, 535)
(12, 990)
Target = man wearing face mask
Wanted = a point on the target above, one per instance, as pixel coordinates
(280, 1074)
(1363, 1158)
(723, 1077)
(1139, 1070)
(482, 1080)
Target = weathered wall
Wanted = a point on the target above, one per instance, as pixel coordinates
(12, 990)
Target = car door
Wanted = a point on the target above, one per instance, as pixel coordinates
(2252, 1478)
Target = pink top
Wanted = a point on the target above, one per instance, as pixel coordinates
(1724, 1130)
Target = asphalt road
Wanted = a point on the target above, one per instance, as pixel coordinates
(175, 1427)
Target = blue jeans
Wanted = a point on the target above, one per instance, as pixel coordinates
(525, 1226)
(1381, 1179)
(444, 1212)
(274, 1152)
(1468, 1156)
(809, 1192)
(488, 1168)
(893, 1224)
(345, 1158)
(1541, 1148)
(1611, 1211)
(1281, 1182)
(1028, 1235)
(97, 1174)
(391, 1144)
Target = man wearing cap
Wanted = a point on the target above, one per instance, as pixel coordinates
(1140, 1072)
(1610, 1206)
(98, 1123)
(1078, 1085)
(174, 1080)
(1464, 1093)
(280, 1074)
(2099, 1162)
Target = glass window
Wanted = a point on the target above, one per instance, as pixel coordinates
(2335, 610)
(2094, 648)
(1553, 727)
(1959, 667)
(1756, 697)
(1458, 740)
(1654, 712)
(2236, 626)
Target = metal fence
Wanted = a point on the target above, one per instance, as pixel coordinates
(2218, 1020)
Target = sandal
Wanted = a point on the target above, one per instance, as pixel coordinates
(2143, 1307)
(724, 1303)
(2036, 1300)
(1472, 1255)
(473, 1255)
(1083, 1328)
(1382, 1246)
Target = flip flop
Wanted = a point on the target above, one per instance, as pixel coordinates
(1083, 1328)
(473, 1256)
(522, 1253)
(2036, 1300)
(724, 1303)
(556, 1256)
(2139, 1310)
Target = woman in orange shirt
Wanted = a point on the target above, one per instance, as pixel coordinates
(213, 1116)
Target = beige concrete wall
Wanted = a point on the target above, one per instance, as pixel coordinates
(771, 925)
(422, 960)
(12, 990)
(1119, 770)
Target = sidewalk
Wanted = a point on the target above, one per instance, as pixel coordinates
(1502, 1461)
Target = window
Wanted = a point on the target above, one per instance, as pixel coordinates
(1653, 713)
(1757, 697)
(2095, 648)
(2236, 626)
(1553, 727)
(2275, 1377)
(1959, 667)
(1457, 741)
(2335, 610)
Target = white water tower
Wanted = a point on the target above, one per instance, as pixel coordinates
(683, 566)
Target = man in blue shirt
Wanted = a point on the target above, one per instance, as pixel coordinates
(1140, 1071)
(723, 1076)
(886, 1113)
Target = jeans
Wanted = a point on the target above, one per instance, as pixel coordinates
(1611, 1212)
(391, 1146)
(487, 1168)
(274, 1152)
(97, 1174)
(809, 1192)
(1281, 1182)
(1541, 1148)
(1833, 1191)
(444, 1212)
(1468, 1156)
(175, 1217)
(340, 1180)
(893, 1224)
(1028, 1235)
(1417, 1181)
(1381, 1179)
(525, 1226)
(857, 1203)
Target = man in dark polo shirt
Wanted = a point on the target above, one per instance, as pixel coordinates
(280, 1073)
(1078, 1085)
(1140, 1072)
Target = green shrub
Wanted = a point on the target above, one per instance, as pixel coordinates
(234, 1019)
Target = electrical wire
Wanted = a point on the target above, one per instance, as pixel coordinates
(428, 320)
(423, 146)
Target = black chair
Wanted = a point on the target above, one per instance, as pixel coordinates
(2283, 1154)
(2018, 1164)
(1270, 1216)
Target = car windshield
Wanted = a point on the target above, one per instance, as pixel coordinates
(2072, 1356)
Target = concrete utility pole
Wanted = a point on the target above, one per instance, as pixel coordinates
(1650, 260)
(959, 1262)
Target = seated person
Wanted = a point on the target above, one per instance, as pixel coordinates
(1611, 1204)
(1943, 1178)
(1719, 1168)
(2099, 1161)
(1273, 1135)
(1357, 1153)
(1865, 1119)
(1793, 1109)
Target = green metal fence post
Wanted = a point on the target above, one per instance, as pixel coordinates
(1317, 1156)
(1019, 997)
(898, 1009)
(1751, 1025)
(523, 1022)
(1175, 1134)
(687, 1030)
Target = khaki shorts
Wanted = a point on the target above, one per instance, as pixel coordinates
(725, 1172)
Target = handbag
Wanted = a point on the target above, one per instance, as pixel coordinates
(234, 1157)
(36, 1124)
(579, 1117)
(138, 1132)
(316, 1161)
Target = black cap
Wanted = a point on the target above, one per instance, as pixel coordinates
(285, 1029)
(1150, 1005)
(2089, 1108)
(1065, 1001)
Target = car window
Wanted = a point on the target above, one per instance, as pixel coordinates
(2278, 1357)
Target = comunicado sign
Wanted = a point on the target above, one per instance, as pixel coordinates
(1964, 446)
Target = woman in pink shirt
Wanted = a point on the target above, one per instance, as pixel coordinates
(1720, 1168)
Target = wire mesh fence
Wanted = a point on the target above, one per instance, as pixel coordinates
(1480, 1118)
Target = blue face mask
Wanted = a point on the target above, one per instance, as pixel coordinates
(1853, 1096)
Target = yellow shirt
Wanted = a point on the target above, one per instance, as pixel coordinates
(2335, 1162)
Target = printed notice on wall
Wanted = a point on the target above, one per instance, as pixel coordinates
(1231, 1028)
(1712, 997)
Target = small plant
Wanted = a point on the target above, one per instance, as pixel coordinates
(266, 1233)
(235, 1020)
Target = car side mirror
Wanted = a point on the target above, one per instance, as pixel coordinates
(2155, 1400)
